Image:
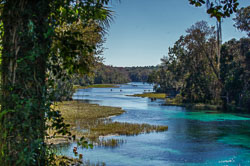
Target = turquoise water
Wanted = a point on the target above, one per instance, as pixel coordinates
(194, 137)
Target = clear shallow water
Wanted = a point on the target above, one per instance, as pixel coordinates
(194, 137)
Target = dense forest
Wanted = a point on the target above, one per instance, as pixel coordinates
(63, 88)
(45, 43)
(199, 69)
(115, 75)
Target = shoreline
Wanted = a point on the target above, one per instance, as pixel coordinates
(76, 87)
(199, 106)
(94, 123)
(151, 95)
(175, 102)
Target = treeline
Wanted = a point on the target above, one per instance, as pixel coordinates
(43, 45)
(200, 70)
(115, 75)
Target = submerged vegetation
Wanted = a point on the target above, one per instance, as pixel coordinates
(92, 121)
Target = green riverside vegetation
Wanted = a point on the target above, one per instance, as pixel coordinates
(104, 74)
(75, 87)
(201, 73)
(177, 101)
(151, 95)
(92, 121)
(44, 43)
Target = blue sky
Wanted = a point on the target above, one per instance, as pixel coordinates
(143, 30)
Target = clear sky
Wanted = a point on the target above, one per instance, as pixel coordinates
(143, 30)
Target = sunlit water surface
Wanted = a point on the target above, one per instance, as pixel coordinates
(193, 138)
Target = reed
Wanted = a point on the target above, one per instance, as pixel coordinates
(93, 122)
(151, 95)
(75, 87)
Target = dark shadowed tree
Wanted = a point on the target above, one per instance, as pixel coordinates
(28, 29)
(26, 44)
(235, 73)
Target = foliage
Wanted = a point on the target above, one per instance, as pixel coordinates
(242, 20)
(190, 66)
(235, 67)
(192, 70)
(110, 75)
(218, 8)
(44, 41)
(39, 47)
(115, 75)
(74, 50)
(23, 86)
(139, 74)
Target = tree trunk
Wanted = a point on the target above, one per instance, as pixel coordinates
(219, 42)
(24, 56)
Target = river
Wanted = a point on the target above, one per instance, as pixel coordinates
(194, 137)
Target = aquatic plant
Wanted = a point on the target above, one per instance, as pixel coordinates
(92, 121)
(151, 95)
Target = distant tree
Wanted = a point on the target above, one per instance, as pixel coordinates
(242, 20)
(104, 74)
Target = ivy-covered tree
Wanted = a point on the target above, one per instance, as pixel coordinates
(29, 29)
(25, 51)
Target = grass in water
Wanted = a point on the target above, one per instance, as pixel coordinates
(103, 86)
(126, 128)
(92, 121)
(151, 95)
(177, 101)
(75, 87)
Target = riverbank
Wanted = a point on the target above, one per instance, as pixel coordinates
(178, 102)
(93, 122)
(189, 132)
(151, 95)
(75, 87)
